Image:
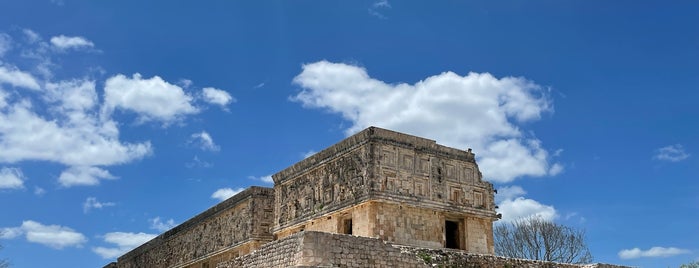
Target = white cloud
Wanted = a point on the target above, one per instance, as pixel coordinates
(509, 192)
(196, 162)
(477, 111)
(17, 78)
(520, 207)
(91, 202)
(83, 175)
(672, 153)
(512, 205)
(204, 141)
(309, 154)
(152, 99)
(11, 178)
(54, 236)
(162, 226)
(654, 252)
(5, 44)
(217, 96)
(71, 42)
(73, 95)
(39, 191)
(377, 6)
(73, 134)
(225, 193)
(123, 242)
(32, 37)
(265, 179)
(10, 232)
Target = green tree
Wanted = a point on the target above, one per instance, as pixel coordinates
(537, 239)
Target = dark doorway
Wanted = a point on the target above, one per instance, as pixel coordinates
(451, 232)
(347, 226)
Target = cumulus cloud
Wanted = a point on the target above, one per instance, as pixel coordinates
(162, 226)
(122, 243)
(91, 202)
(11, 178)
(54, 236)
(654, 252)
(672, 153)
(83, 175)
(225, 193)
(520, 207)
(204, 141)
(73, 134)
(217, 96)
(15, 77)
(152, 99)
(71, 42)
(265, 179)
(513, 205)
(509, 192)
(69, 122)
(5, 44)
(476, 111)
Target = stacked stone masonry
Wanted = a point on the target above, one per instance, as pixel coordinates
(383, 187)
(232, 228)
(397, 187)
(320, 249)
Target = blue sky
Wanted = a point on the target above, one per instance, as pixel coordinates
(121, 119)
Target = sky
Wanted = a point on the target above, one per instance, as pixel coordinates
(122, 119)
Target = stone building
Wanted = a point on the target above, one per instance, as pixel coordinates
(378, 183)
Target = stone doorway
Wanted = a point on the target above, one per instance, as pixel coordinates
(347, 226)
(451, 234)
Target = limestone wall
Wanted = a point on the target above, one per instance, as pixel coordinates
(338, 183)
(317, 249)
(381, 166)
(432, 178)
(233, 227)
(279, 253)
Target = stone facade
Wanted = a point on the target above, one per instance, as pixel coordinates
(232, 228)
(377, 184)
(396, 187)
(321, 249)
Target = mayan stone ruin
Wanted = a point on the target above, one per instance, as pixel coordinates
(378, 198)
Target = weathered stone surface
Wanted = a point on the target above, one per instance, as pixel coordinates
(403, 198)
(233, 227)
(390, 185)
(320, 249)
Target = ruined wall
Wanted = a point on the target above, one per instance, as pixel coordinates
(336, 222)
(318, 249)
(231, 228)
(338, 183)
(377, 165)
(479, 236)
(432, 176)
(279, 253)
